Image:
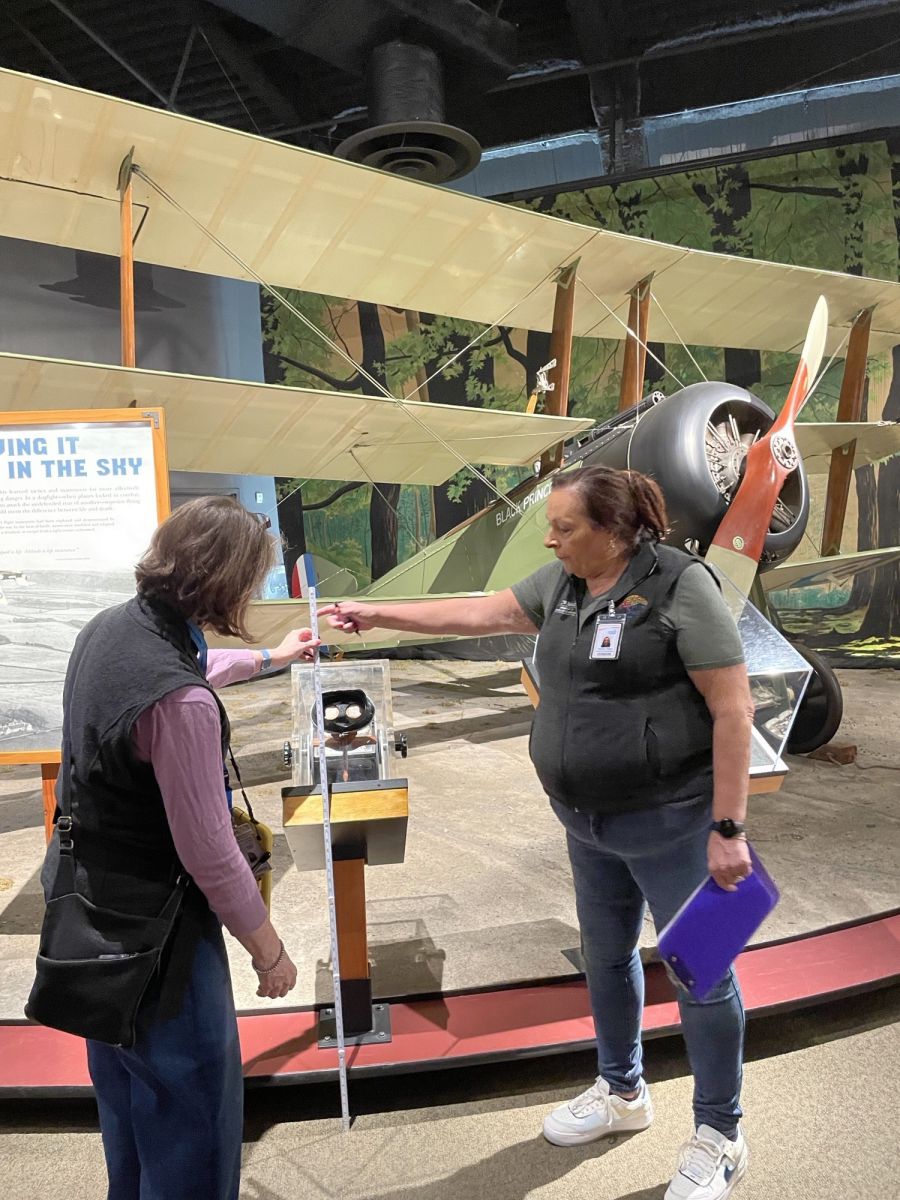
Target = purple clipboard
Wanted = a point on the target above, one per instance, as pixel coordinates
(713, 926)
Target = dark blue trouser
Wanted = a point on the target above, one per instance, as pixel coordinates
(618, 862)
(172, 1106)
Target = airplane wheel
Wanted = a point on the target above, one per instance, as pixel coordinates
(819, 716)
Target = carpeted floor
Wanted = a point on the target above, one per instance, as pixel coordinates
(822, 1093)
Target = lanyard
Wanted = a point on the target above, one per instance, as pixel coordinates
(199, 642)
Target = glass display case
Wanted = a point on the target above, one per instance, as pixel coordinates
(778, 674)
(361, 744)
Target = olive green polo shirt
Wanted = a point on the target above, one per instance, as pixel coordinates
(706, 635)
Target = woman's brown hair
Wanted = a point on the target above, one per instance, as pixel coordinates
(626, 503)
(207, 561)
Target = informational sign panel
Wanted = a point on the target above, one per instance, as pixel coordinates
(80, 496)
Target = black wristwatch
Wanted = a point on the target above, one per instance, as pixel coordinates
(727, 828)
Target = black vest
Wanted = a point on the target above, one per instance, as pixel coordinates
(124, 660)
(613, 736)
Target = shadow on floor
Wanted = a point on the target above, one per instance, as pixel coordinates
(22, 809)
(481, 685)
(411, 966)
(24, 914)
(513, 1173)
(505, 723)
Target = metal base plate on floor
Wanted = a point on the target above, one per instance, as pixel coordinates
(379, 1034)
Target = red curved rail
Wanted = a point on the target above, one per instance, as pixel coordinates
(493, 1024)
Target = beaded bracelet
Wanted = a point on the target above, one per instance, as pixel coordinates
(277, 962)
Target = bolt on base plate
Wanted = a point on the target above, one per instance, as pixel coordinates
(379, 1034)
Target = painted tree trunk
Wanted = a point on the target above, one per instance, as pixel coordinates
(385, 496)
(654, 371)
(293, 531)
(729, 209)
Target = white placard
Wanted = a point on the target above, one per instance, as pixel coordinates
(75, 497)
(78, 506)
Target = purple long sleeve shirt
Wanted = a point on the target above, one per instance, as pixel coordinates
(181, 737)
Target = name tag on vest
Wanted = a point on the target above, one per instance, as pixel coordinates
(607, 641)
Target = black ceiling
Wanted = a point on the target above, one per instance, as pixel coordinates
(513, 69)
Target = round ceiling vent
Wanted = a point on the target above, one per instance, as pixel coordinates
(425, 150)
(410, 136)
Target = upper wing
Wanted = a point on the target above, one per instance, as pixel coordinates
(875, 440)
(269, 429)
(304, 220)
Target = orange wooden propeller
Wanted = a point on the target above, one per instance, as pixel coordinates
(742, 533)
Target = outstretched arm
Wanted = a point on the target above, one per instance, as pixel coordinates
(726, 691)
(475, 616)
(233, 666)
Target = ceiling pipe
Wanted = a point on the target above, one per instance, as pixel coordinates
(408, 134)
(711, 38)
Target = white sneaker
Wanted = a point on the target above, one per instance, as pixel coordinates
(709, 1166)
(596, 1114)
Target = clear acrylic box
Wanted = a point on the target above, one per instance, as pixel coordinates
(352, 691)
(778, 674)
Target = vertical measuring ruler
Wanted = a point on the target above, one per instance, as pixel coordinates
(329, 866)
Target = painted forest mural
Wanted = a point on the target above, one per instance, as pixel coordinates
(835, 208)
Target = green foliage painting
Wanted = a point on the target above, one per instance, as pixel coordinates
(836, 208)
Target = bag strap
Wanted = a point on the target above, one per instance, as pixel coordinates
(173, 905)
(64, 884)
(237, 775)
(65, 872)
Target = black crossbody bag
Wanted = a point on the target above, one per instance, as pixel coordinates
(95, 965)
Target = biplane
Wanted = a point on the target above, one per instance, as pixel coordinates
(100, 174)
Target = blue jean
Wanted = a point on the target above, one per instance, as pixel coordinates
(618, 862)
(171, 1106)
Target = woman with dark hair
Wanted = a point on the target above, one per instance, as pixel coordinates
(143, 775)
(641, 741)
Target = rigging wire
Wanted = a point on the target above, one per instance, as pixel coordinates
(475, 340)
(394, 509)
(645, 347)
(684, 344)
(629, 330)
(824, 371)
(839, 66)
(339, 350)
(228, 77)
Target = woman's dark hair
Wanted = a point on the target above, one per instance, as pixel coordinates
(626, 503)
(207, 561)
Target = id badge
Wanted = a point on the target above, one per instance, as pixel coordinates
(607, 641)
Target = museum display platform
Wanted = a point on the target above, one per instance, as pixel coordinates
(471, 939)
